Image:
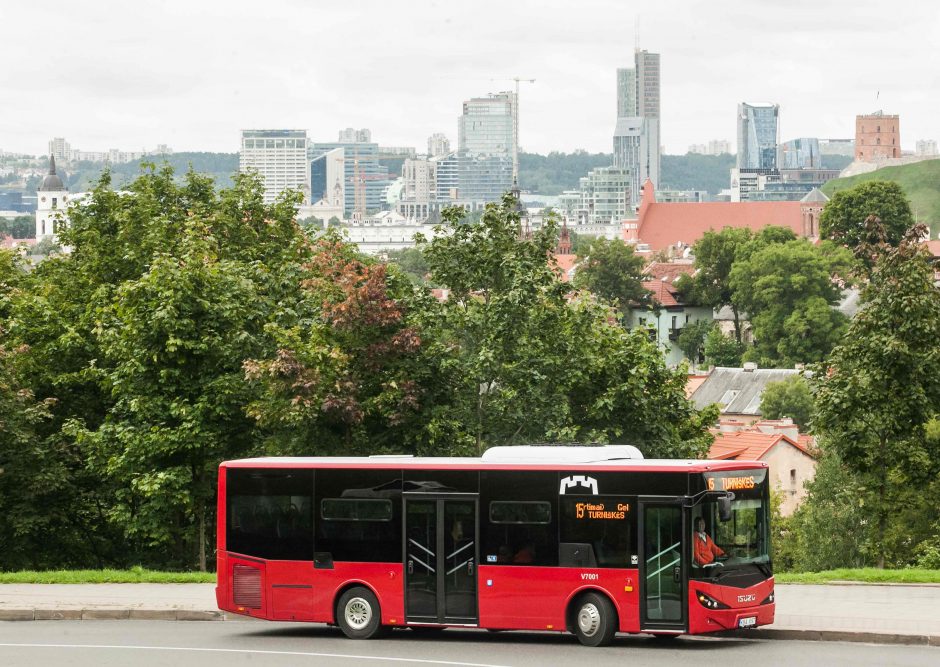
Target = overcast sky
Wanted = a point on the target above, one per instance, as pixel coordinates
(130, 75)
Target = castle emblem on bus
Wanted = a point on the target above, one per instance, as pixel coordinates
(574, 481)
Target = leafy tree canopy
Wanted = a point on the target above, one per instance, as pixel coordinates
(611, 270)
(881, 387)
(844, 218)
(788, 398)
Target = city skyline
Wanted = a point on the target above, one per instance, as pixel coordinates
(200, 73)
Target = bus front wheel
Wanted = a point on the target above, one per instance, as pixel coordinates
(358, 614)
(595, 620)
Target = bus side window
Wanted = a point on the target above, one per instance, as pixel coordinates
(603, 522)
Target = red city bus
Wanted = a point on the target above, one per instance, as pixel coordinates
(589, 540)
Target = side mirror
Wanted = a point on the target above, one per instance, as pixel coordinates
(724, 507)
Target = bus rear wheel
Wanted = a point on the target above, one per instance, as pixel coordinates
(358, 614)
(595, 620)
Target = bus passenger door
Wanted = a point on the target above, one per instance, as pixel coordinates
(440, 548)
(663, 566)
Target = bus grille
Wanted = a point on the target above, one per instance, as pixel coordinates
(247, 587)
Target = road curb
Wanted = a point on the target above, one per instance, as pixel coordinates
(835, 636)
(110, 615)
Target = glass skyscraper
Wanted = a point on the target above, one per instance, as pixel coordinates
(758, 135)
(637, 136)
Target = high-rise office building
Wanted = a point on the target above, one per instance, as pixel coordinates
(801, 153)
(280, 158)
(758, 135)
(485, 141)
(637, 133)
(328, 178)
(605, 195)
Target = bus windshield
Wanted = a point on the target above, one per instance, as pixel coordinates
(741, 544)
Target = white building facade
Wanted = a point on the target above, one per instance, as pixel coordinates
(280, 158)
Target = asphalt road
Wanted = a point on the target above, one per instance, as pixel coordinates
(150, 643)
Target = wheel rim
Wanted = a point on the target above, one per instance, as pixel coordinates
(358, 613)
(589, 619)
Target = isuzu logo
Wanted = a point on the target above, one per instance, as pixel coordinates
(747, 598)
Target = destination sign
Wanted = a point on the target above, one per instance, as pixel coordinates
(587, 511)
(735, 480)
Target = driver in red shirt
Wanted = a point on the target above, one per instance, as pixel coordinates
(706, 551)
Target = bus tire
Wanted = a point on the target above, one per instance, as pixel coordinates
(358, 614)
(595, 620)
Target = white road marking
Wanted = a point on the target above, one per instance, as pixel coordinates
(258, 652)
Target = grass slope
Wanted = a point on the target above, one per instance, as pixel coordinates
(135, 575)
(921, 183)
(868, 575)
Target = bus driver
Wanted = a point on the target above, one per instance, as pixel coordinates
(706, 551)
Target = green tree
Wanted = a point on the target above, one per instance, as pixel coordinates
(691, 339)
(844, 218)
(139, 335)
(788, 291)
(882, 384)
(522, 363)
(722, 350)
(788, 398)
(611, 270)
(345, 378)
(412, 262)
(710, 285)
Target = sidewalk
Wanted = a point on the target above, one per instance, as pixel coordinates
(873, 613)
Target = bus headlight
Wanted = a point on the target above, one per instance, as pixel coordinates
(709, 602)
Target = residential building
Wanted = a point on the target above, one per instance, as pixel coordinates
(667, 312)
(637, 130)
(713, 147)
(280, 158)
(60, 149)
(926, 147)
(877, 136)
(790, 454)
(419, 189)
(758, 135)
(438, 144)
(738, 391)
(605, 195)
(676, 226)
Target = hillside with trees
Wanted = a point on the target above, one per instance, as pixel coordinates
(920, 182)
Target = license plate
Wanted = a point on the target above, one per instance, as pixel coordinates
(747, 622)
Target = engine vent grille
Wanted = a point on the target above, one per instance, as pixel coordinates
(247, 587)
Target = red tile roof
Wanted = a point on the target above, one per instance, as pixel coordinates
(934, 248)
(668, 270)
(661, 225)
(663, 293)
(748, 445)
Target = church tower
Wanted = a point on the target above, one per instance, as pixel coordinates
(51, 200)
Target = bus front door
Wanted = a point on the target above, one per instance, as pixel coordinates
(663, 566)
(440, 559)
